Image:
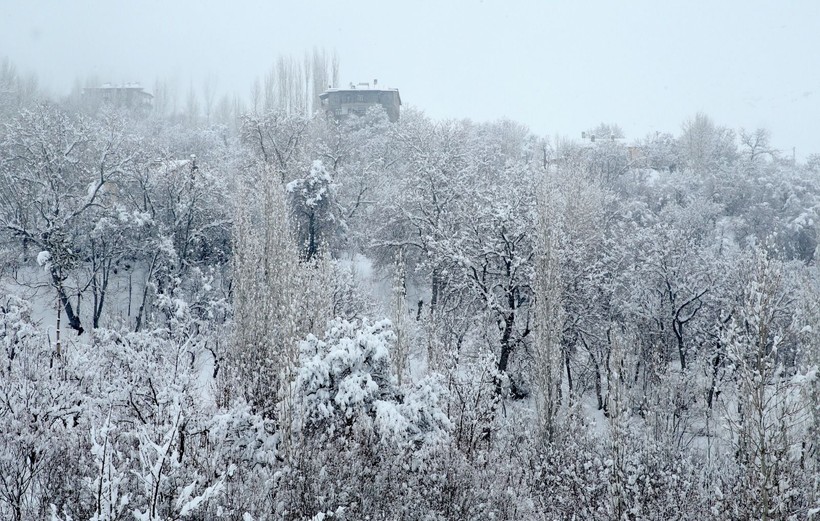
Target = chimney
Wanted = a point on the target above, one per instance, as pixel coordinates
(375, 82)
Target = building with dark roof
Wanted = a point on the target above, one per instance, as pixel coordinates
(130, 96)
(358, 98)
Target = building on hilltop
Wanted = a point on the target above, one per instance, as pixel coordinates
(358, 98)
(129, 96)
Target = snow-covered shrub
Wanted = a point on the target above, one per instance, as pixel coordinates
(585, 475)
(15, 327)
(345, 381)
(358, 439)
(164, 441)
(42, 420)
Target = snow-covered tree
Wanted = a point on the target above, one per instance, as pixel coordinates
(59, 182)
(354, 425)
(768, 420)
(313, 201)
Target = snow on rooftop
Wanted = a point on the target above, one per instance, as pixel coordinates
(337, 89)
(133, 85)
(361, 86)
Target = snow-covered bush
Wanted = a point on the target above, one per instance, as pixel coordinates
(345, 382)
(42, 420)
(15, 327)
(358, 439)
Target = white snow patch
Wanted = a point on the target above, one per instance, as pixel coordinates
(43, 258)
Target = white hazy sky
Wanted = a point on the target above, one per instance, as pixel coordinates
(558, 67)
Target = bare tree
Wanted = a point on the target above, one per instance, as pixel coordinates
(757, 144)
(57, 182)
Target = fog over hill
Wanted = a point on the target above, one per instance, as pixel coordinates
(555, 67)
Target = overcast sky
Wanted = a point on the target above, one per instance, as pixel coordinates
(558, 67)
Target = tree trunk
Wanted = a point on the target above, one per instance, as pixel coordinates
(677, 327)
(145, 293)
(73, 319)
(99, 290)
(506, 344)
(434, 289)
(311, 246)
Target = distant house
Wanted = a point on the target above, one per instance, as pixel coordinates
(129, 96)
(358, 98)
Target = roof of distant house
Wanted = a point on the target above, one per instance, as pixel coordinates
(359, 88)
(123, 86)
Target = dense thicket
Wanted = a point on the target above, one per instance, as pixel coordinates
(284, 316)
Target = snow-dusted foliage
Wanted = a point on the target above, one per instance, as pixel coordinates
(353, 423)
(593, 330)
(345, 382)
(41, 419)
(125, 427)
(313, 201)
